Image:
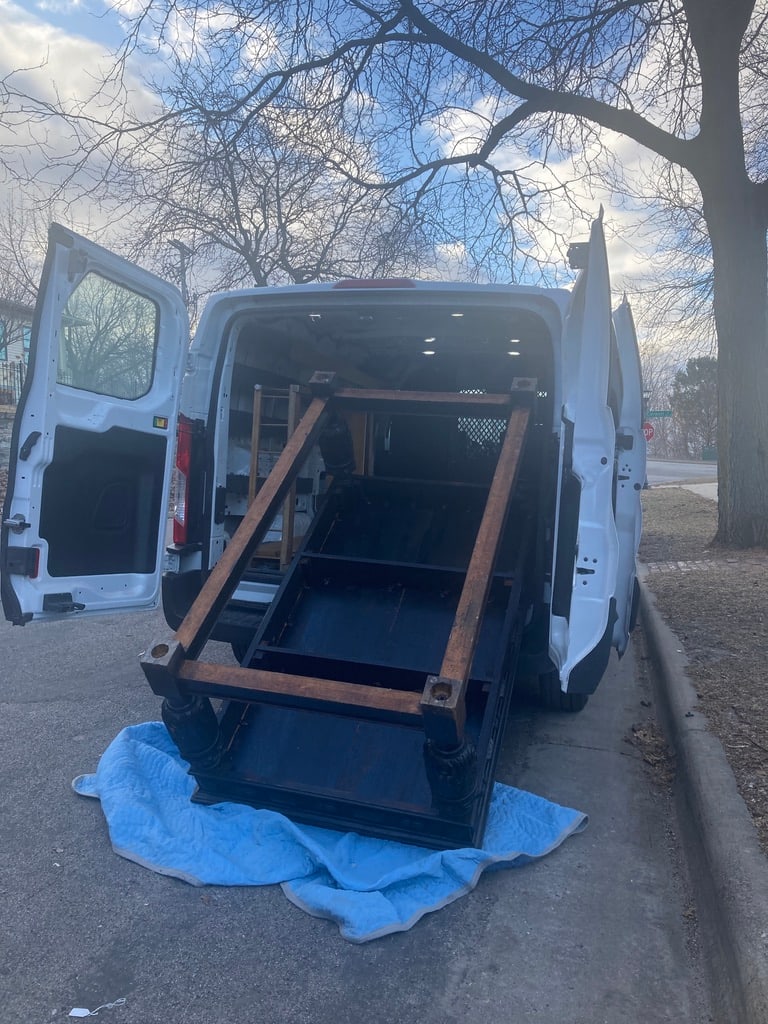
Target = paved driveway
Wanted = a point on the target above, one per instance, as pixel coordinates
(600, 931)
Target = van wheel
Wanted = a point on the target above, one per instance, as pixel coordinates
(553, 698)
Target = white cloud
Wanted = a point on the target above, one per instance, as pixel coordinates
(51, 65)
(567, 185)
(59, 6)
(49, 55)
(43, 64)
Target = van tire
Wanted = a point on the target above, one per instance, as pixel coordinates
(553, 698)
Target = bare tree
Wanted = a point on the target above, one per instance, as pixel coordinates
(258, 203)
(659, 366)
(23, 232)
(592, 65)
(673, 299)
(256, 200)
(439, 89)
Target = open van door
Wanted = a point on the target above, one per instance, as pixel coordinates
(83, 526)
(630, 474)
(586, 550)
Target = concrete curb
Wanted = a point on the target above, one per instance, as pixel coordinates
(728, 871)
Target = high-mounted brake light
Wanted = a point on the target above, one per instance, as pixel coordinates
(181, 475)
(382, 282)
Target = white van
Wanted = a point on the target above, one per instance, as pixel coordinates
(117, 403)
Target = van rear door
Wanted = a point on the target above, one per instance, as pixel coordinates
(92, 447)
(583, 608)
(630, 473)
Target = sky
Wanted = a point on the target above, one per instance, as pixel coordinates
(63, 44)
(66, 44)
(54, 50)
(89, 19)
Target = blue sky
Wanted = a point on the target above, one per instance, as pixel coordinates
(57, 51)
(90, 19)
(63, 45)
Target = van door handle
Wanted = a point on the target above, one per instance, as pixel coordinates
(29, 444)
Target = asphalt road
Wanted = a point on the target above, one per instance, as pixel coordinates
(601, 930)
(661, 471)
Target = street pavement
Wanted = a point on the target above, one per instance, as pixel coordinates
(599, 931)
(667, 471)
(698, 477)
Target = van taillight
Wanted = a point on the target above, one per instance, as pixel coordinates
(181, 480)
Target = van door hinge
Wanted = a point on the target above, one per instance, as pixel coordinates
(220, 505)
(21, 561)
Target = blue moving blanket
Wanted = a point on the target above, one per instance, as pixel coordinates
(369, 887)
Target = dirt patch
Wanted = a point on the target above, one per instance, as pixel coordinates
(715, 601)
(649, 740)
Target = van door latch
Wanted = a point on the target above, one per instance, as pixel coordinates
(16, 524)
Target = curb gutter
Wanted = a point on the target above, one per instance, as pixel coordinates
(728, 871)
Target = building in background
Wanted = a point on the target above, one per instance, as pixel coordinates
(15, 334)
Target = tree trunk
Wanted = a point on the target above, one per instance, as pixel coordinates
(737, 228)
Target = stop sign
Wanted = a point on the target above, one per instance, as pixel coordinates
(648, 431)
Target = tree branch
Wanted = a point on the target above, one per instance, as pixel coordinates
(540, 99)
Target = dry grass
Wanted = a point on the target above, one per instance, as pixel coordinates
(717, 607)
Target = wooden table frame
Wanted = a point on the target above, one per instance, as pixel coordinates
(172, 666)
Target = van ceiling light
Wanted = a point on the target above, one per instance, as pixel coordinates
(457, 314)
(430, 341)
(428, 352)
(514, 341)
(315, 317)
(513, 352)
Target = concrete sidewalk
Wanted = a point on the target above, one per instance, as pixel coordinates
(728, 871)
(708, 490)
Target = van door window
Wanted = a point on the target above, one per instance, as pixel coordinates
(107, 339)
